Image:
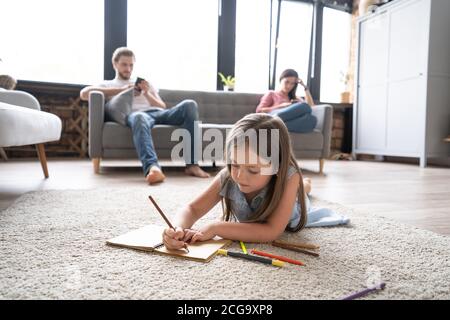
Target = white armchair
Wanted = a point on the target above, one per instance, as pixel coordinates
(23, 123)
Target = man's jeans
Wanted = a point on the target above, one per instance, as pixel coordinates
(297, 117)
(141, 123)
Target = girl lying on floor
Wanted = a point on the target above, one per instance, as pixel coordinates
(260, 197)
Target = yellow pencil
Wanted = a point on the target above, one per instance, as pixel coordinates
(243, 247)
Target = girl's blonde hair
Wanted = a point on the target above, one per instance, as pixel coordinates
(276, 187)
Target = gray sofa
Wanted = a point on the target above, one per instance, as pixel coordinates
(216, 110)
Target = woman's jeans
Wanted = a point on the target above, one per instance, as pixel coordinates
(297, 117)
(141, 123)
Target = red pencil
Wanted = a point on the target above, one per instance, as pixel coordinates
(265, 254)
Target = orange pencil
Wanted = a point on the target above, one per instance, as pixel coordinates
(281, 258)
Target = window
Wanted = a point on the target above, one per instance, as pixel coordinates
(294, 39)
(335, 54)
(53, 41)
(255, 48)
(252, 45)
(175, 42)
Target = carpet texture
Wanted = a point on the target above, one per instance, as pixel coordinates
(52, 246)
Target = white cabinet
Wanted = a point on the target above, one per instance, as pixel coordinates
(374, 51)
(372, 118)
(406, 116)
(408, 38)
(402, 105)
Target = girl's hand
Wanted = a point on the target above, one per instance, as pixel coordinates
(173, 240)
(204, 233)
(266, 110)
(188, 234)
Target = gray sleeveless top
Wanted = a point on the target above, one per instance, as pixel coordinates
(244, 210)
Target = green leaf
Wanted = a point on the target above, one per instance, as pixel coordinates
(227, 81)
(222, 77)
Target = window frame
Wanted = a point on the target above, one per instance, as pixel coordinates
(115, 31)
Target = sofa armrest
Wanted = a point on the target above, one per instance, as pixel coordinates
(324, 115)
(19, 98)
(96, 120)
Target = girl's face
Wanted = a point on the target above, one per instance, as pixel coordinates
(287, 84)
(247, 174)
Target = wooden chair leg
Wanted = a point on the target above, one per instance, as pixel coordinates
(41, 154)
(96, 163)
(3, 154)
(321, 164)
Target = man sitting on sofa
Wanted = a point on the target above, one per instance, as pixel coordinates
(147, 109)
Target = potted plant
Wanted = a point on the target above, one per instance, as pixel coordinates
(228, 82)
(345, 94)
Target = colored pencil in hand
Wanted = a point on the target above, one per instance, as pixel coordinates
(165, 218)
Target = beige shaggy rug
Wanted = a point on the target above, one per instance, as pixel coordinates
(52, 246)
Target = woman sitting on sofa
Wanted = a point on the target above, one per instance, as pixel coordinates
(293, 110)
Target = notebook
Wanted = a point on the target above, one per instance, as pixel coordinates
(149, 238)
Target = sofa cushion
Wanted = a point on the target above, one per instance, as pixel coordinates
(116, 136)
(215, 107)
(307, 141)
(217, 110)
(20, 126)
(119, 107)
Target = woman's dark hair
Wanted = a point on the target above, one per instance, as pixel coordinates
(290, 73)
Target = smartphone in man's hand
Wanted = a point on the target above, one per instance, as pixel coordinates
(136, 87)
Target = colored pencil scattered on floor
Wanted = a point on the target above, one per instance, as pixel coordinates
(297, 245)
(364, 292)
(274, 262)
(273, 256)
(244, 249)
(294, 248)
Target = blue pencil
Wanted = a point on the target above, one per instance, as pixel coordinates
(365, 292)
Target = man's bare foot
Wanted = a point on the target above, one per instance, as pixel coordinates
(196, 171)
(155, 175)
(307, 185)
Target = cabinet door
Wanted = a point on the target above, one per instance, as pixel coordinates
(408, 40)
(372, 83)
(406, 116)
(373, 51)
(371, 118)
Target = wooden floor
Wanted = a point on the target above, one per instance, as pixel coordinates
(404, 192)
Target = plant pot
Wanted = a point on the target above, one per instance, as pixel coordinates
(345, 97)
(227, 88)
